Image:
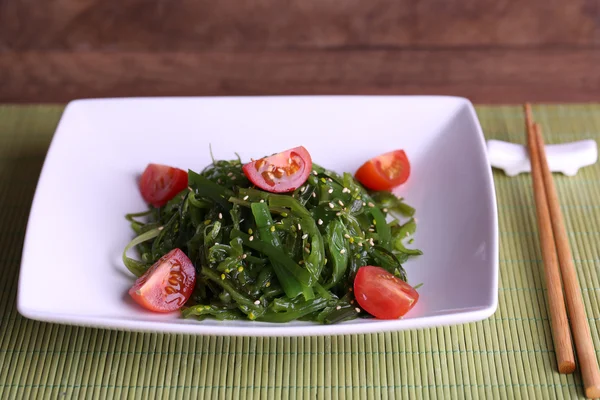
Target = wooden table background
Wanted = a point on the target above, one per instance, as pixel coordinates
(492, 51)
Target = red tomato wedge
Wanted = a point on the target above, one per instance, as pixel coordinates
(282, 172)
(384, 172)
(160, 183)
(382, 294)
(167, 285)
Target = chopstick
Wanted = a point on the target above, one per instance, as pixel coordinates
(579, 324)
(558, 313)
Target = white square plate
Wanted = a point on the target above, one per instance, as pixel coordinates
(71, 270)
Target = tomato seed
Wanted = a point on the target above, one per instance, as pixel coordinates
(268, 177)
(259, 164)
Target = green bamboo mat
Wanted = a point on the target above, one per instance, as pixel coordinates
(509, 355)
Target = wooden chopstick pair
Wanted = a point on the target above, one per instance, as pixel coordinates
(554, 242)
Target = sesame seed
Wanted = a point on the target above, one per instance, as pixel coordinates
(220, 216)
(240, 269)
(299, 227)
(272, 229)
(340, 203)
(345, 190)
(346, 236)
(229, 173)
(315, 173)
(250, 231)
(325, 262)
(320, 221)
(357, 309)
(330, 190)
(300, 262)
(244, 255)
(364, 204)
(351, 301)
(303, 189)
(304, 236)
(257, 302)
(371, 242)
(251, 238)
(314, 194)
(246, 197)
(160, 228)
(267, 284)
(371, 230)
(342, 251)
(331, 205)
(371, 204)
(329, 180)
(262, 200)
(338, 214)
(306, 249)
(338, 308)
(190, 189)
(359, 244)
(222, 276)
(384, 210)
(350, 289)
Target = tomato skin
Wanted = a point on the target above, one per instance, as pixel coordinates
(280, 173)
(385, 171)
(382, 294)
(160, 183)
(167, 284)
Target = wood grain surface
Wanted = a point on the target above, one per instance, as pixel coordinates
(489, 51)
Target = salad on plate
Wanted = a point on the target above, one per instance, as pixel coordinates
(276, 239)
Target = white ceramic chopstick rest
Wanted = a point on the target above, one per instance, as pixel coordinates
(567, 158)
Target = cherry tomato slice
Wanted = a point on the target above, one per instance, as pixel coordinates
(167, 284)
(382, 294)
(384, 172)
(160, 183)
(282, 172)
